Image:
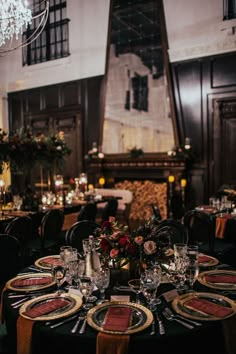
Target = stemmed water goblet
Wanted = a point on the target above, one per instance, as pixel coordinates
(135, 286)
(86, 287)
(150, 281)
(102, 280)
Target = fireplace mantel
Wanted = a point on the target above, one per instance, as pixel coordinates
(116, 167)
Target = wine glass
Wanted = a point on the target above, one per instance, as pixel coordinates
(192, 271)
(59, 273)
(135, 286)
(149, 283)
(102, 280)
(86, 287)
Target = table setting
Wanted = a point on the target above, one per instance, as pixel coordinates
(152, 309)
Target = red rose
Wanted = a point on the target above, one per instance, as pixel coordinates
(105, 245)
(124, 240)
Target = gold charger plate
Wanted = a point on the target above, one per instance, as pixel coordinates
(41, 262)
(212, 261)
(141, 317)
(221, 286)
(10, 284)
(179, 305)
(73, 306)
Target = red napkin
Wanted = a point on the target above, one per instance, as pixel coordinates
(52, 261)
(24, 335)
(46, 308)
(117, 318)
(221, 278)
(221, 225)
(204, 259)
(209, 307)
(112, 343)
(32, 281)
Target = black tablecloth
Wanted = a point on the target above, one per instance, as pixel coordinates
(176, 340)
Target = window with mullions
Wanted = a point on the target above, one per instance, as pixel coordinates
(53, 42)
(229, 9)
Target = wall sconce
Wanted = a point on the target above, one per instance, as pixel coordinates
(171, 179)
(183, 182)
(101, 181)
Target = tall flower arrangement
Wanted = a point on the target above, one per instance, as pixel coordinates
(23, 149)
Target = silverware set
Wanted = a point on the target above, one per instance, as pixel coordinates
(170, 316)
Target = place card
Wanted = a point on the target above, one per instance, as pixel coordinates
(75, 292)
(120, 298)
(170, 295)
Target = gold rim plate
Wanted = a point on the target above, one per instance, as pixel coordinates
(141, 317)
(41, 264)
(10, 283)
(212, 261)
(221, 286)
(75, 303)
(179, 306)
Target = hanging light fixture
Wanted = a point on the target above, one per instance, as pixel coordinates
(15, 16)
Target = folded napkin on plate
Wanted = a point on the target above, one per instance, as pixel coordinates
(32, 281)
(221, 278)
(46, 307)
(208, 307)
(204, 259)
(117, 318)
(52, 261)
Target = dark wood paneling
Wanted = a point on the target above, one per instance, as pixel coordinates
(72, 107)
(198, 85)
(223, 71)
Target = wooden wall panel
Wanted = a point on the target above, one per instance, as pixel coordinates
(198, 84)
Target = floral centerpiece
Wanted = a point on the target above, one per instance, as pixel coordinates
(152, 242)
(116, 244)
(145, 245)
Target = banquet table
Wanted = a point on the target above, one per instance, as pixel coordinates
(177, 338)
(225, 222)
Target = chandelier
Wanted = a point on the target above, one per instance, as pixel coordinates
(15, 16)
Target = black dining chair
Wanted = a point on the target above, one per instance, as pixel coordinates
(50, 229)
(79, 231)
(47, 241)
(88, 212)
(21, 228)
(201, 230)
(9, 258)
(177, 231)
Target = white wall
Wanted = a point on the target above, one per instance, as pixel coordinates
(196, 29)
(88, 39)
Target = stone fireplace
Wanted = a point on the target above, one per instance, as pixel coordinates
(146, 176)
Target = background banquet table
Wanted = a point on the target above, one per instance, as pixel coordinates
(177, 339)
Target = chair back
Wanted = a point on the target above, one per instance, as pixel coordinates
(201, 229)
(110, 209)
(21, 227)
(51, 226)
(79, 231)
(9, 257)
(176, 230)
(88, 212)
